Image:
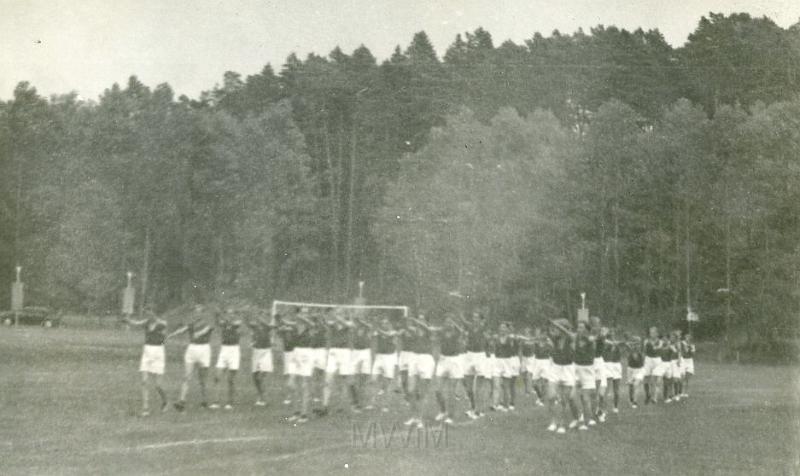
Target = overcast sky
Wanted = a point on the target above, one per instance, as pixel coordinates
(87, 45)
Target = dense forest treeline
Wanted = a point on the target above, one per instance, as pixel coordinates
(512, 176)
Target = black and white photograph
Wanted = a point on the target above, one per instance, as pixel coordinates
(400, 237)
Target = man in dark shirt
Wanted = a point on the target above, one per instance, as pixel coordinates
(417, 339)
(563, 371)
(475, 362)
(635, 371)
(612, 356)
(449, 370)
(151, 364)
(385, 359)
(198, 353)
(295, 335)
(229, 356)
(262, 353)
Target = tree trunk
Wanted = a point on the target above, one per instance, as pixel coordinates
(348, 263)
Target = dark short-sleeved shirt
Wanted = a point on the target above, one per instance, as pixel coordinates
(200, 334)
(155, 332)
(361, 338)
(417, 340)
(384, 344)
(543, 349)
(505, 348)
(262, 336)
(340, 337)
(230, 333)
(584, 351)
(636, 360)
(449, 343)
(476, 341)
(667, 353)
(599, 346)
(650, 349)
(611, 352)
(563, 353)
(527, 348)
(316, 336)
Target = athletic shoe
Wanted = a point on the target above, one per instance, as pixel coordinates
(573, 424)
(145, 413)
(539, 403)
(601, 418)
(511, 408)
(583, 427)
(669, 400)
(634, 406)
(441, 416)
(410, 421)
(561, 430)
(501, 408)
(293, 418)
(179, 405)
(471, 414)
(369, 407)
(380, 392)
(677, 398)
(592, 422)
(288, 401)
(261, 403)
(214, 406)
(448, 421)
(384, 410)
(615, 410)
(316, 400)
(420, 425)
(355, 409)
(228, 407)
(552, 427)
(302, 419)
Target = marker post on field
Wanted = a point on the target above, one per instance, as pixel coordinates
(17, 295)
(128, 297)
(583, 312)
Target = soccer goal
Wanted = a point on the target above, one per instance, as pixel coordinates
(356, 309)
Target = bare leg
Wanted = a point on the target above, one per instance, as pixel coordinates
(145, 393)
(202, 372)
(231, 386)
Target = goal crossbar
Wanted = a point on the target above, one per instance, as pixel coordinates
(277, 303)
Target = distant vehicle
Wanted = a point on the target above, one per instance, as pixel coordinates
(32, 316)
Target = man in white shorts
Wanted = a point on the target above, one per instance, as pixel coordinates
(383, 367)
(600, 377)
(297, 361)
(340, 361)
(449, 369)
(653, 370)
(229, 354)
(262, 354)
(417, 339)
(585, 374)
(475, 363)
(635, 371)
(151, 364)
(197, 355)
(563, 375)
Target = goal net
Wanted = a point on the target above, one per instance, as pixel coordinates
(352, 310)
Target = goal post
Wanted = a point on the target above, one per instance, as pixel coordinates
(363, 307)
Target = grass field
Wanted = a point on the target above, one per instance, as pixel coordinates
(70, 399)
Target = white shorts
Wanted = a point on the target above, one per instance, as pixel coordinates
(262, 360)
(319, 358)
(152, 359)
(563, 374)
(339, 361)
(635, 375)
(198, 354)
(486, 370)
(384, 365)
(506, 367)
(361, 361)
(688, 364)
(404, 360)
(543, 369)
(660, 369)
(650, 365)
(529, 364)
(298, 362)
(614, 370)
(671, 369)
(599, 368)
(473, 363)
(450, 366)
(422, 366)
(228, 357)
(585, 376)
